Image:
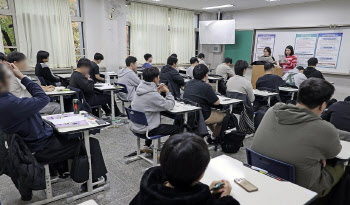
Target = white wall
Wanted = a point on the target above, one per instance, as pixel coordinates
(104, 35)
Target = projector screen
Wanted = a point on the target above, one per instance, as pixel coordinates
(217, 32)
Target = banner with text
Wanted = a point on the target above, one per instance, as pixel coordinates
(328, 48)
(305, 46)
(263, 41)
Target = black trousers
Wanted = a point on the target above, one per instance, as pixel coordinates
(105, 102)
(163, 129)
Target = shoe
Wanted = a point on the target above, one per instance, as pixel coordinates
(147, 149)
(122, 115)
(26, 197)
(210, 140)
(84, 185)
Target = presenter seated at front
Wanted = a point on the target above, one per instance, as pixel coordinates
(291, 60)
(21, 116)
(267, 54)
(183, 161)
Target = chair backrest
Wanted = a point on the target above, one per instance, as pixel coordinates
(280, 169)
(80, 96)
(136, 117)
(42, 81)
(124, 89)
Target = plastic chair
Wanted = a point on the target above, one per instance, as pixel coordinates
(84, 104)
(124, 90)
(281, 169)
(140, 119)
(42, 81)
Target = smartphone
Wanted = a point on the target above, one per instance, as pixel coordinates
(246, 185)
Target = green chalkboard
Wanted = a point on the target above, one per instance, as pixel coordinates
(242, 50)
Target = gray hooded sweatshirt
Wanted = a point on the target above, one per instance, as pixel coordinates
(149, 101)
(129, 78)
(299, 137)
(294, 77)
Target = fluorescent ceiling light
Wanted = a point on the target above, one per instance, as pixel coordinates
(218, 7)
(271, 0)
(156, 0)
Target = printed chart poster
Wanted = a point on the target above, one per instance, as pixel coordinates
(328, 48)
(263, 41)
(305, 46)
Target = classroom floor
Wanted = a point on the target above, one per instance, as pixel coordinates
(124, 179)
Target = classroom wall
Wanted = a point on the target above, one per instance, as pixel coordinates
(104, 35)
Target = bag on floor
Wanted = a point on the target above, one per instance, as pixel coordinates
(260, 115)
(80, 166)
(340, 193)
(231, 138)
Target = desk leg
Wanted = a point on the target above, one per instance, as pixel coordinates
(217, 86)
(87, 146)
(231, 108)
(269, 101)
(112, 106)
(293, 95)
(62, 104)
(186, 120)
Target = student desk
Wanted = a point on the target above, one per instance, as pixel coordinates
(112, 89)
(216, 79)
(228, 101)
(271, 191)
(182, 70)
(290, 90)
(64, 76)
(265, 94)
(345, 151)
(92, 125)
(182, 108)
(112, 75)
(89, 202)
(139, 73)
(60, 94)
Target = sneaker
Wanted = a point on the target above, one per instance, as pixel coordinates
(147, 149)
(210, 140)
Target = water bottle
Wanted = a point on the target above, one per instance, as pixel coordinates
(108, 79)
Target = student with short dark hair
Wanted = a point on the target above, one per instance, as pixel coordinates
(197, 90)
(128, 77)
(268, 54)
(43, 70)
(189, 71)
(339, 114)
(297, 135)
(183, 161)
(225, 70)
(291, 60)
(3, 57)
(201, 57)
(174, 55)
(148, 58)
(295, 77)
(148, 99)
(310, 71)
(95, 69)
(238, 83)
(171, 77)
(269, 80)
(81, 79)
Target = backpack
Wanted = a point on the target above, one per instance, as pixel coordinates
(231, 140)
(260, 115)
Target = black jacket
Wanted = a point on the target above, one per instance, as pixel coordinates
(311, 72)
(339, 115)
(170, 77)
(153, 191)
(41, 70)
(18, 162)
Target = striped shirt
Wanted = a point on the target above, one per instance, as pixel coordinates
(290, 64)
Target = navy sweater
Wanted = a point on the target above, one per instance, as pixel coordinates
(21, 116)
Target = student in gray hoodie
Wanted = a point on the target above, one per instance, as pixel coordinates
(295, 77)
(297, 135)
(148, 100)
(128, 76)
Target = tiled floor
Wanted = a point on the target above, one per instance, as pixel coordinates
(123, 179)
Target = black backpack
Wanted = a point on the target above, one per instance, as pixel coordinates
(260, 115)
(231, 140)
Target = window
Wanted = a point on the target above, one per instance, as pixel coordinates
(8, 25)
(78, 28)
(4, 4)
(127, 40)
(74, 6)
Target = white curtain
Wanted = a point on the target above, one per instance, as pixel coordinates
(149, 32)
(182, 36)
(46, 25)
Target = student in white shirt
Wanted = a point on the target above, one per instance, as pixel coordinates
(189, 71)
(225, 70)
(201, 57)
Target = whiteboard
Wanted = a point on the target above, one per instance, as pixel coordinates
(217, 32)
(287, 37)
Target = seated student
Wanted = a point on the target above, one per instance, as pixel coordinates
(201, 57)
(339, 114)
(95, 69)
(224, 69)
(128, 76)
(81, 79)
(148, 58)
(183, 161)
(20, 91)
(310, 71)
(269, 80)
(171, 77)
(295, 77)
(148, 100)
(174, 55)
(42, 70)
(189, 71)
(199, 91)
(21, 116)
(297, 135)
(238, 83)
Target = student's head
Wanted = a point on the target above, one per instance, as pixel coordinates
(347, 99)
(184, 159)
(312, 62)
(131, 62)
(267, 51)
(268, 67)
(200, 72)
(301, 69)
(228, 61)
(98, 58)
(19, 59)
(148, 57)
(174, 55)
(201, 56)
(314, 94)
(84, 66)
(151, 74)
(2, 57)
(289, 51)
(194, 61)
(42, 57)
(172, 61)
(4, 79)
(241, 67)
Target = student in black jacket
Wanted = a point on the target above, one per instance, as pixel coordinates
(183, 161)
(42, 70)
(171, 77)
(310, 71)
(269, 80)
(339, 114)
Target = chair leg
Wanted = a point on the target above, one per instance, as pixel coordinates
(159, 143)
(123, 106)
(155, 152)
(48, 189)
(99, 112)
(138, 146)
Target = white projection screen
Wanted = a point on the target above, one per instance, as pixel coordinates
(217, 32)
